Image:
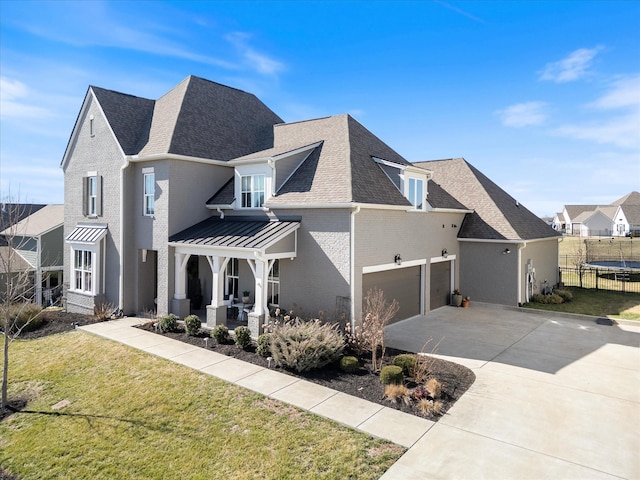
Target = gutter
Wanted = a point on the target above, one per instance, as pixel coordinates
(127, 160)
(352, 267)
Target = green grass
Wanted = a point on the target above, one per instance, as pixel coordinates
(136, 416)
(598, 303)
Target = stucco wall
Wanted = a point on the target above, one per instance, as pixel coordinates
(544, 258)
(488, 275)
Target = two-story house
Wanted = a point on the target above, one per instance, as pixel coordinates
(206, 193)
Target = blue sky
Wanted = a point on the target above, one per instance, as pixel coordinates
(541, 96)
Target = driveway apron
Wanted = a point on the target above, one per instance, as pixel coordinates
(555, 396)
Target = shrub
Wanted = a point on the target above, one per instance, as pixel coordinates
(434, 387)
(566, 295)
(192, 324)
(168, 323)
(264, 348)
(407, 362)
(391, 374)
(25, 316)
(429, 407)
(552, 299)
(103, 311)
(243, 337)
(420, 392)
(395, 393)
(349, 364)
(220, 333)
(303, 346)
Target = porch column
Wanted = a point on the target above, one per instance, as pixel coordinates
(217, 264)
(180, 303)
(257, 317)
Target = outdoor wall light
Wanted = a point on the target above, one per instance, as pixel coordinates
(397, 259)
(506, 251)
(444, 252)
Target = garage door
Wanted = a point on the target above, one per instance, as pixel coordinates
(402, 284)
(439, 285)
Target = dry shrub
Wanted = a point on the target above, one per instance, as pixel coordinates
(395, 393)
(429, 407)
(434, 387)
(103, 311)
(424, 362)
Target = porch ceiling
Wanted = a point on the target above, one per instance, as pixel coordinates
(234, 233)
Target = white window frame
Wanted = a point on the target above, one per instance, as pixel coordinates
(415, 194)
(86, 277)
(273, 284)
(231, 275)
(92, 196)
(148, 197)
(250, 194)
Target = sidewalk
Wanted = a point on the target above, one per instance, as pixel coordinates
(371, 418)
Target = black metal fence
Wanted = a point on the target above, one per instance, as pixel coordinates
(601, 278)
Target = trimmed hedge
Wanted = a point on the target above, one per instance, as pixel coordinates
(391, 374)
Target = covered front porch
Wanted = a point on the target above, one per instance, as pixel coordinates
(223, 245)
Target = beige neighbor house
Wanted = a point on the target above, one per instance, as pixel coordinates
(206, 193)
(32, 242)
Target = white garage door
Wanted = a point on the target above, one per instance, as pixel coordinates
(402, 284)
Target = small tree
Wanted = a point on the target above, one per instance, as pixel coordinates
(377, 312)
(17, 286)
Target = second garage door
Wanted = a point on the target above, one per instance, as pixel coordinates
(402, 284)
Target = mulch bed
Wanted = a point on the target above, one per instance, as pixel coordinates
(455, 378)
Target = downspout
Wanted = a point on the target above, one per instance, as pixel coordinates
(122, 222)
(521, 246)
(38, 285)
(220, 212)
(352, 273)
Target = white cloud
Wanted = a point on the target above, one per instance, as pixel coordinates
(625, 92)
(622, 128)
(621, 131)
(523, 114)
(12, 94)
(256, 60)
(571, 68)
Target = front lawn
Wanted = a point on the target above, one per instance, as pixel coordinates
(134, 416)
(597, 302)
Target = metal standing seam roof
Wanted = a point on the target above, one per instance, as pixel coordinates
(87, 234)
(235, 233)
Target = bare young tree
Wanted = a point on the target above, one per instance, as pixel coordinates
(16, 285)
(376, 313)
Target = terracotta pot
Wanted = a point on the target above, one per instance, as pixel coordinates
(465, 303)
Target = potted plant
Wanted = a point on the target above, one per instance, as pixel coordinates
(246, 296)
(465, 302)
(456, 298)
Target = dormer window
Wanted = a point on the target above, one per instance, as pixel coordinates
(252, 191)
(409, 180)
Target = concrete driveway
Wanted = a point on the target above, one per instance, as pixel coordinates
(555, 396)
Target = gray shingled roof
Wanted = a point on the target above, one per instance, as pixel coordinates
(632, 213)
(341, 170)
(224, 196)
(632, 198)
(497, 215)
(438, 197)
(197, 118)
(128, 116)
(238, 232)
(575, 210)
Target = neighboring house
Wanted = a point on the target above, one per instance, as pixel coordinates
(34, 235)
(205, 193)
(622, 217)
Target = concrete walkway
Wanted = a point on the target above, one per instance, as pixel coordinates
(555, 397)
(368, 417)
